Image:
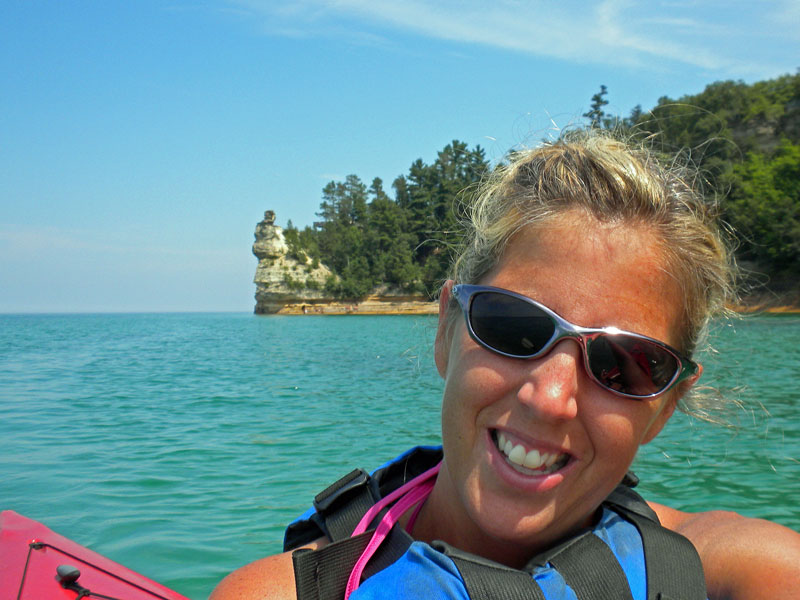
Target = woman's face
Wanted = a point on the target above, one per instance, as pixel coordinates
(593, 275)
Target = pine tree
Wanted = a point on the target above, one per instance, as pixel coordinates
(597, 116)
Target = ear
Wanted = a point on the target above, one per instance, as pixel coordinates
(686, 385)
(443, 334)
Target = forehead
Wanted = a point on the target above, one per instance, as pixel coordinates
(594, 274)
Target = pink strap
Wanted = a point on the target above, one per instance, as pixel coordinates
(412, 492)
(384, 502)
(413, 518)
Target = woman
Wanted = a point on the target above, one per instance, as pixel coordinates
(565, 334)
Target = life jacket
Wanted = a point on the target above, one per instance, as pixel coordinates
(627, 555)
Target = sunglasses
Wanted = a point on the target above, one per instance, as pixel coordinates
(627, 364)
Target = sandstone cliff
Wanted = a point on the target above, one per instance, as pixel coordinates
(288, 284)
(282, 279)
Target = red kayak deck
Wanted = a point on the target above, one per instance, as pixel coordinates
(30, 553)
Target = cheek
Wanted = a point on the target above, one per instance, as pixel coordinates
(478, 379)
(474, 383)
(619, 430)
(614, 445)
(614, 432)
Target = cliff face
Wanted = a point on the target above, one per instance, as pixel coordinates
(286, 284)
(282, 279)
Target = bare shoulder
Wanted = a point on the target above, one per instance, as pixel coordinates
(270, 578)
(742, 557)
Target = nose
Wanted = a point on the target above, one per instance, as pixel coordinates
(550, 386)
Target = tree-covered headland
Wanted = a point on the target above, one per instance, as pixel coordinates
(744, 140)
(369, 238)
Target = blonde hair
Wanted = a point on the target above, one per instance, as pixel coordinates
(615, 182)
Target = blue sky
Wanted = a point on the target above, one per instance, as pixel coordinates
(141, 140)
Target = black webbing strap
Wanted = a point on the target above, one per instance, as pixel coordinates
(632, 502)
(590, 568)
(323, 574)
(487, 580)
(392, 548)
(340, 507)
(678, 577)
(318, 573)
(674, 569)
(342, 504)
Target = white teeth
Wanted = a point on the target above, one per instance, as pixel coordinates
(532, 460)
(517, 455)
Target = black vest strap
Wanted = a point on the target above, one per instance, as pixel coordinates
(590, 568)
(586, 563)
(339, 508)
(342, 504)
(318, 573)
(323, 574)
(674, 569)
(624, 497)
(488, 580)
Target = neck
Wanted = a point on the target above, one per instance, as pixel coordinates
(443, 517)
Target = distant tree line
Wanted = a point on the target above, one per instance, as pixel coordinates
(368, 238)
(744, 139)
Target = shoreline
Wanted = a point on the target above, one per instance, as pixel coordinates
(372, 305)
(788, 309)
(377, 306)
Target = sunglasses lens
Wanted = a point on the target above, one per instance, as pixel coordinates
(630, 365)
(509, 325)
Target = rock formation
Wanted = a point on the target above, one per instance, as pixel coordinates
(291, 283)
(282, 279)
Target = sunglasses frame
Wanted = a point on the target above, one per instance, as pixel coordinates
(563, 329)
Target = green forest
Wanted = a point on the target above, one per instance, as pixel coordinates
(744, 140)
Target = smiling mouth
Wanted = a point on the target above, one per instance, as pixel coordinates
(529, 462)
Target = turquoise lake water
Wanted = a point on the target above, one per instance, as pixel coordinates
(181, 445)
